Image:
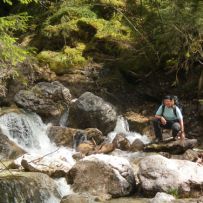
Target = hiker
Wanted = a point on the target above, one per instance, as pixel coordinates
(168, 116)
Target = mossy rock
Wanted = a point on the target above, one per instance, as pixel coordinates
(27, 187)
(61, 62)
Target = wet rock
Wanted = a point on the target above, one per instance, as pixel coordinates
(86, 147)
(181, 177)
(72, 137)
(92, 111)
(78, 155)
(61, 136)
(162, 197)
(94, 135)
(49, 100)
(104, 148)
(137, 145)
(173, 147)
(8, 149)
(121, 142)
(102, 174)
(54, 167)
(138, 123)
(27, 187)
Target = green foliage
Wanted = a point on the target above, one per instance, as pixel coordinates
(174, 192)
(142, 35)
(10, 52)
(10, 2)
(68, 19)
(61, 62)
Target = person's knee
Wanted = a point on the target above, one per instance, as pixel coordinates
(176, 126)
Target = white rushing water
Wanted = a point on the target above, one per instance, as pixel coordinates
(122, 126)
(30, 133)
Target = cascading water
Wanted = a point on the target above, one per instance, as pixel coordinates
(29, 132)
(26, 130)
(122, 126)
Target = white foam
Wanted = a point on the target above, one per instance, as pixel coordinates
(63, 188)
(30, 133)
(123, 127)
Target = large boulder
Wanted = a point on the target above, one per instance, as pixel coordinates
(102, 174)
(92, 111)
(50, 100)
(180, 177)
(27, 187)
(173, 147)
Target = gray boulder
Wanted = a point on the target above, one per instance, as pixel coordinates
(27, 187)
(102, 174)
(50, 100)
(91, 111)
(137, 145)
(180, 177)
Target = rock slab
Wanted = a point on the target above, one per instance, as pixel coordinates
(181, 177)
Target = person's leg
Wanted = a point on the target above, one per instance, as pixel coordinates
(175, 129)
(157, 129)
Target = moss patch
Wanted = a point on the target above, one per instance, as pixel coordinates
(61, 62)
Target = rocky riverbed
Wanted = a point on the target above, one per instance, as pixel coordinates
(56, 148)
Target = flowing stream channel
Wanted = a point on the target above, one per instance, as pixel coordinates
(29, 132)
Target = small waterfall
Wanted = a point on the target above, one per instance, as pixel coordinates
(29, 132)
(122, 126)
(26, 130)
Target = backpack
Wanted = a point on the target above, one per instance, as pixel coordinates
(176, 102)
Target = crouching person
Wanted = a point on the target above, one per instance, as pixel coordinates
(168, 116)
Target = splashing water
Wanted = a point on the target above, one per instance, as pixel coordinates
(122, 126)
(26, 130)
(29, 132)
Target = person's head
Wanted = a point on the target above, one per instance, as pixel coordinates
(168, 101)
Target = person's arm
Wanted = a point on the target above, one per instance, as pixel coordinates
(182, 125)
(159, 116)
(180, 117)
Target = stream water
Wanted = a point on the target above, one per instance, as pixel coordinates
(29, 132)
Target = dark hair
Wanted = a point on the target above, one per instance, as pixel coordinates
(167, 97)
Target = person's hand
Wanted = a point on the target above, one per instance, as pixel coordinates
(163, 121)
(181, 135)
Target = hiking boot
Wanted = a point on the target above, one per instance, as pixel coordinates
(157, 140)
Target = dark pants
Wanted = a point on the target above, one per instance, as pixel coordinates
(174, 125)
